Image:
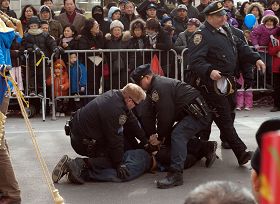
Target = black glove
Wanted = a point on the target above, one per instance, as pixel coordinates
(151, 148)
(248, 83)
(122, 171)
(29, 50)
(238, 86)
(37, 49)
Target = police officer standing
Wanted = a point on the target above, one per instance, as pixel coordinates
(169, 101)
(97, 132)
(214, 53)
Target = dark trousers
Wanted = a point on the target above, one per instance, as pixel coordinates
(184, 130)
(101, 168)
(222, 116)
(276, 87)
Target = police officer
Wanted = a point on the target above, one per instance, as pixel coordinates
(96, 131)
(213, 54)
(169, 101)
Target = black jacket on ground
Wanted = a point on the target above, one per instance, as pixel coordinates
(164, 105)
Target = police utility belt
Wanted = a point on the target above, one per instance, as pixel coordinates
(90, 143)
(197, 108)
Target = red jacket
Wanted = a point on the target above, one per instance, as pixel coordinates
(273, 50)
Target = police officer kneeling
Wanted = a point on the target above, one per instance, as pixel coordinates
(169, 101)
(97, 132)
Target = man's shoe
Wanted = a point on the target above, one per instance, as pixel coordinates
(275, 109)
(75, 168)
(211, 153)
(225, 145)
(244, 157)
(60, 169)
(172, 179)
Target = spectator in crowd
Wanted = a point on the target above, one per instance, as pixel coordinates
(36, 40)
(267, 126)
(49, 3)
(275, 7)
(203, 4)
(274, 51)
(138, 41)
(114, 14)
(181, 19)
(27, 12)
(241, 13)
(231, 20)
(71, 16)
(151, 11)
(220, 192)
(264, 3)
(55, 27)
(97, 13)
(192, 11)
(78, 80)
(5, 7)
(45, 27)
(166, 21)
(128, 16)
(61, 86)
(257, 10)
(159, 6)
(260, 36)
(68, 41)
(182, 43)
(229, 5)
(107, 8)
(116, 39)
(158, 39)
(121, 5)
(92, 39)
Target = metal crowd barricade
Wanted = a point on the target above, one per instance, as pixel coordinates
(120, 62)
(30, 70)
(262, 81)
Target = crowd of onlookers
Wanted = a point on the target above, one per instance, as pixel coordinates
(124, 25)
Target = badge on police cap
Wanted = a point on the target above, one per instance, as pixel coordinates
(122, 119)
(155, 96)
(219, 5)
(197, 38)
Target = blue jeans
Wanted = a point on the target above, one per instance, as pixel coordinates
(137, 161)
(186, 129)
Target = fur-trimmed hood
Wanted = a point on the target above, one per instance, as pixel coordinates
(269, 15)
(134, 23)
(126, 36)
(258, 5)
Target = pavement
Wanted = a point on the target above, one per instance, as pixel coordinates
(54, 144)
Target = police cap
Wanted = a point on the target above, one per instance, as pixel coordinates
(215, 8)
(140, 72)
(267, 126)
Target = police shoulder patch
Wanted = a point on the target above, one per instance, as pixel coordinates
(122, 119)
(155, 96)
(197, 38)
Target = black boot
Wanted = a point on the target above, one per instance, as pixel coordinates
(60, 169)
(244, 157)
(211, 153)
(225, 145)
(173, 178)
(75, 168)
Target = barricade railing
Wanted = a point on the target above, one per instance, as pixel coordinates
(106, 69)
(30, 72)
(262, 81)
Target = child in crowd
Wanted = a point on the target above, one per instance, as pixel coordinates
(275, 7)
(274, 51)
(45, 26)
(68, 41)
(78, 80)
(114, 14)
(257, 10)
(61, 85)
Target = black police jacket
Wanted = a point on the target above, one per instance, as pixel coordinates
(210, 49)
(164, 105)
(104, 120)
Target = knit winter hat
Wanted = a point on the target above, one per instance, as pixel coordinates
(111, 11)
(165, 19)
(116, 23)
(34, 20)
